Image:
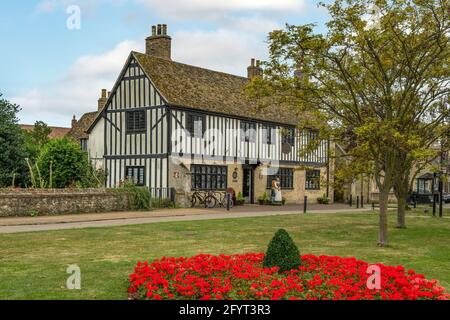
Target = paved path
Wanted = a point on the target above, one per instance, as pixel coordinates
(18, 225)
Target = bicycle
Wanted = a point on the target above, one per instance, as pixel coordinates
(216, 198)
(198, 197)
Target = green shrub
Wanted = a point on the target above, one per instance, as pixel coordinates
(282, 252)
(141, 196)
(323, 200)
(265, 197)
(70, 165)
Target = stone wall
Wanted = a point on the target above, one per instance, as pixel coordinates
(45, 202)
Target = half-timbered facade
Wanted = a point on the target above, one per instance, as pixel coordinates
(168, 125)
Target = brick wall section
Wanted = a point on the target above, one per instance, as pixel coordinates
(27, 202)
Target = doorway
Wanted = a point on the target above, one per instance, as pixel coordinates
(249, 185)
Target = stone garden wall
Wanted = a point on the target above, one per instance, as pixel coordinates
(45, 202)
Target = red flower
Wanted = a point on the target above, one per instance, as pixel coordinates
(208, 277)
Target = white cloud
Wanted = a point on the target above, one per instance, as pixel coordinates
(50, 6)
(46, 6)
(222, 50)
(78, 91)
(218, 9)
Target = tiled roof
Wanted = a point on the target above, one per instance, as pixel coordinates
(79, 130)
(198, 88)
(57, 132)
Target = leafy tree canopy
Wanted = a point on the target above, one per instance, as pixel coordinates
(13, 168)
(379, 78)
(36, 139)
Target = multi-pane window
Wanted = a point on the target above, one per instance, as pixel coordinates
(248, 131)
(286, 176)
(268, 135)
(135, 121)
(136, 175)
(195, 125)
(84, 144)
(209, 177)
(288, 136)
(312, 180)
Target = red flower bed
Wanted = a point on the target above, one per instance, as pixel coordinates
(242, 277)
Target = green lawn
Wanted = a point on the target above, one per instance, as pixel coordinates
(33, 265)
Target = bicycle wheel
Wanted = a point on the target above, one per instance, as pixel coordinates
(193, 201)
(210, 202)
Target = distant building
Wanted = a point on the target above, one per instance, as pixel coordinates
(424, 184)
(79, 129)
(57, 132)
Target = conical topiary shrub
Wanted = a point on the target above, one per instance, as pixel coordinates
(282, 252)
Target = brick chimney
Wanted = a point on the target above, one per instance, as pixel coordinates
(254, 70)
(159, 44)
(74, 121)
(103, 99)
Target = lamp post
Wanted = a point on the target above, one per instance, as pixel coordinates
(440, 193)
(441, 190)
(433, 192)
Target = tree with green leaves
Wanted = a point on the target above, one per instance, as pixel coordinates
(63, 164)
(13, 168)
(379, 74)
(36, 139)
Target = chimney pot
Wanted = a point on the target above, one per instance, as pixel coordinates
(253, 70)
(103, 99)
(159, 44)
(74, 121)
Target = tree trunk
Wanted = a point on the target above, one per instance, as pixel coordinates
(401, 213)
(401, 188)
(383, 232)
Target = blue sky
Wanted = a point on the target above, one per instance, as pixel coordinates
(55, 73)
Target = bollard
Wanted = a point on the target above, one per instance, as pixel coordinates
(373, 206)
(228, 201)
(362, 202)
(434, 205)
(305, 205)
(351, 201)
(415, 202)
(357, 202)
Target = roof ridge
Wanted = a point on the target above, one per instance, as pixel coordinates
(191, 66)
(52, 127)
